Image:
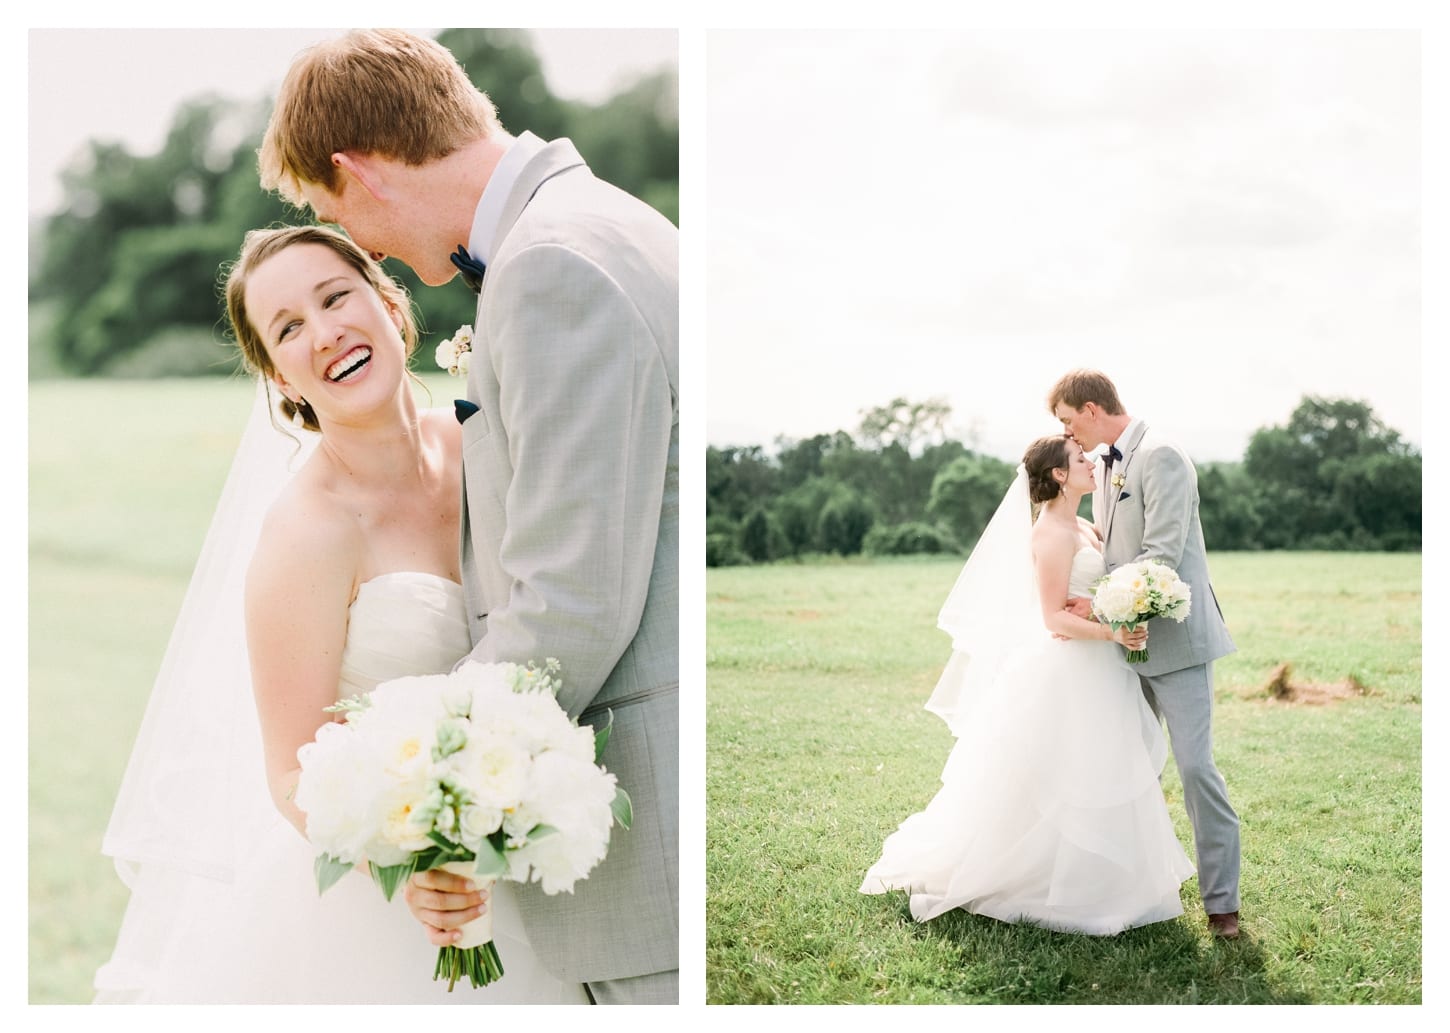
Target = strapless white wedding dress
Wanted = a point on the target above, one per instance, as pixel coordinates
(267, 937)
(1050, 811)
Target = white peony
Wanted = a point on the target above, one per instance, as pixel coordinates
(573, 797)
(342, 791)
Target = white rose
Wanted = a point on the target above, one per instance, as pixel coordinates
(461, 363)
(475, 823)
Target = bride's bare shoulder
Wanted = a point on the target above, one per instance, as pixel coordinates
(1052, 536)
(309, 536)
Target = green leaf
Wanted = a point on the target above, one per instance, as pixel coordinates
(601, 735)
(329, 869)
(622, 808)
(541, 831)
(390, 878)
(491, 863)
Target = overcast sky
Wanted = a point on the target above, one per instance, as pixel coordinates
(1221, 221)
(125, 84)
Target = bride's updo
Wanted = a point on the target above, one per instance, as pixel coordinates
(1044, 456)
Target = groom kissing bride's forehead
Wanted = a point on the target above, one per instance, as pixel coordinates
(569, 536)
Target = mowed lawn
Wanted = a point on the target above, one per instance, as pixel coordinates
(123, 479)
(817, 747)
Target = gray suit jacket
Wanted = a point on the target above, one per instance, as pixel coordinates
(1153, 515)
(570, 523)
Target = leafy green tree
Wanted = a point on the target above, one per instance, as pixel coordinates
(797, 513)
(966, 492)
(908, 540)
(1335, 477)
(1228, 508)
(761, 538)
(911, 425)
(844, 522)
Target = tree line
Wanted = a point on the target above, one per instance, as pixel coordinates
(124, 278)
(1334, 477)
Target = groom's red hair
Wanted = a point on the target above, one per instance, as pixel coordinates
(374, 91)
(1081, 386)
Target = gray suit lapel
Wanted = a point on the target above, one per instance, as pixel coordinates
(556, 157)
(1120, 468)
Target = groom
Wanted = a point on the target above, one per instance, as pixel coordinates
(570, 441)
(1146, 508)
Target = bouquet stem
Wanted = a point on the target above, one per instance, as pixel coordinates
(474, 955)
(1137, 656)
(480, 964)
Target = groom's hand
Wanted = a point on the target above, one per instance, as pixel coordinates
(1078, 606)
(443, 902)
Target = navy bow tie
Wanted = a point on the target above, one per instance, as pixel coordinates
(1111, 456)
(470, 267)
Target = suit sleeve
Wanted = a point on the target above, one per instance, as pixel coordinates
(1170, 492)
(586, 404)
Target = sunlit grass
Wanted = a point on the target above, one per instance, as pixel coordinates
(817, 747)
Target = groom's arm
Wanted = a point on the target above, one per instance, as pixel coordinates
(1170, 492)
(587, 406)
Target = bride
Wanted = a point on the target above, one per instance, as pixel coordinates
(348, 549)
(1050, 810)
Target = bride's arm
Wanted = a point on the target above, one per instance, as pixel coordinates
(1052, 556)
(299, 587)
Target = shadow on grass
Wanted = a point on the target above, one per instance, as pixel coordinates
(1173, 962)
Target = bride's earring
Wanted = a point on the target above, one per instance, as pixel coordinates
(298, 420)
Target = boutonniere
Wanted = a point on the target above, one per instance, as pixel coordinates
(1119, 480)
(453, 353)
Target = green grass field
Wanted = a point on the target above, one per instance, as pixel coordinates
(119, 504)
(817, 747)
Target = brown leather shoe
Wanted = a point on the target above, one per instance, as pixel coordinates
(1225, 927)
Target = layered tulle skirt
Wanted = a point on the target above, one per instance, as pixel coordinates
(1050, 811)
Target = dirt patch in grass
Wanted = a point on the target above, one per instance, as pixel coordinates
(1281, 688)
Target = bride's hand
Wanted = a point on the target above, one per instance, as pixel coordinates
(1134, 639)
(443, 902)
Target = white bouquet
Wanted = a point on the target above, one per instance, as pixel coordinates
(1137, 592)
(479, 772)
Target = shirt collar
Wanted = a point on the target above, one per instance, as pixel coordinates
(484, 234)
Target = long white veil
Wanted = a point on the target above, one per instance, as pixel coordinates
(993, 611)
(195, 786)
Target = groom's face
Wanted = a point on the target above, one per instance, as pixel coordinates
(1080, 424)
(377, 227)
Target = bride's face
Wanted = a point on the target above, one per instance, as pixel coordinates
(1080, 471)
(331, 338)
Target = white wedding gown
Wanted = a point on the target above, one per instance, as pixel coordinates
(267, 937)
(1050, 811)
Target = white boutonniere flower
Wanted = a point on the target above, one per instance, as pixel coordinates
(1119, 480)
(453, 353)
